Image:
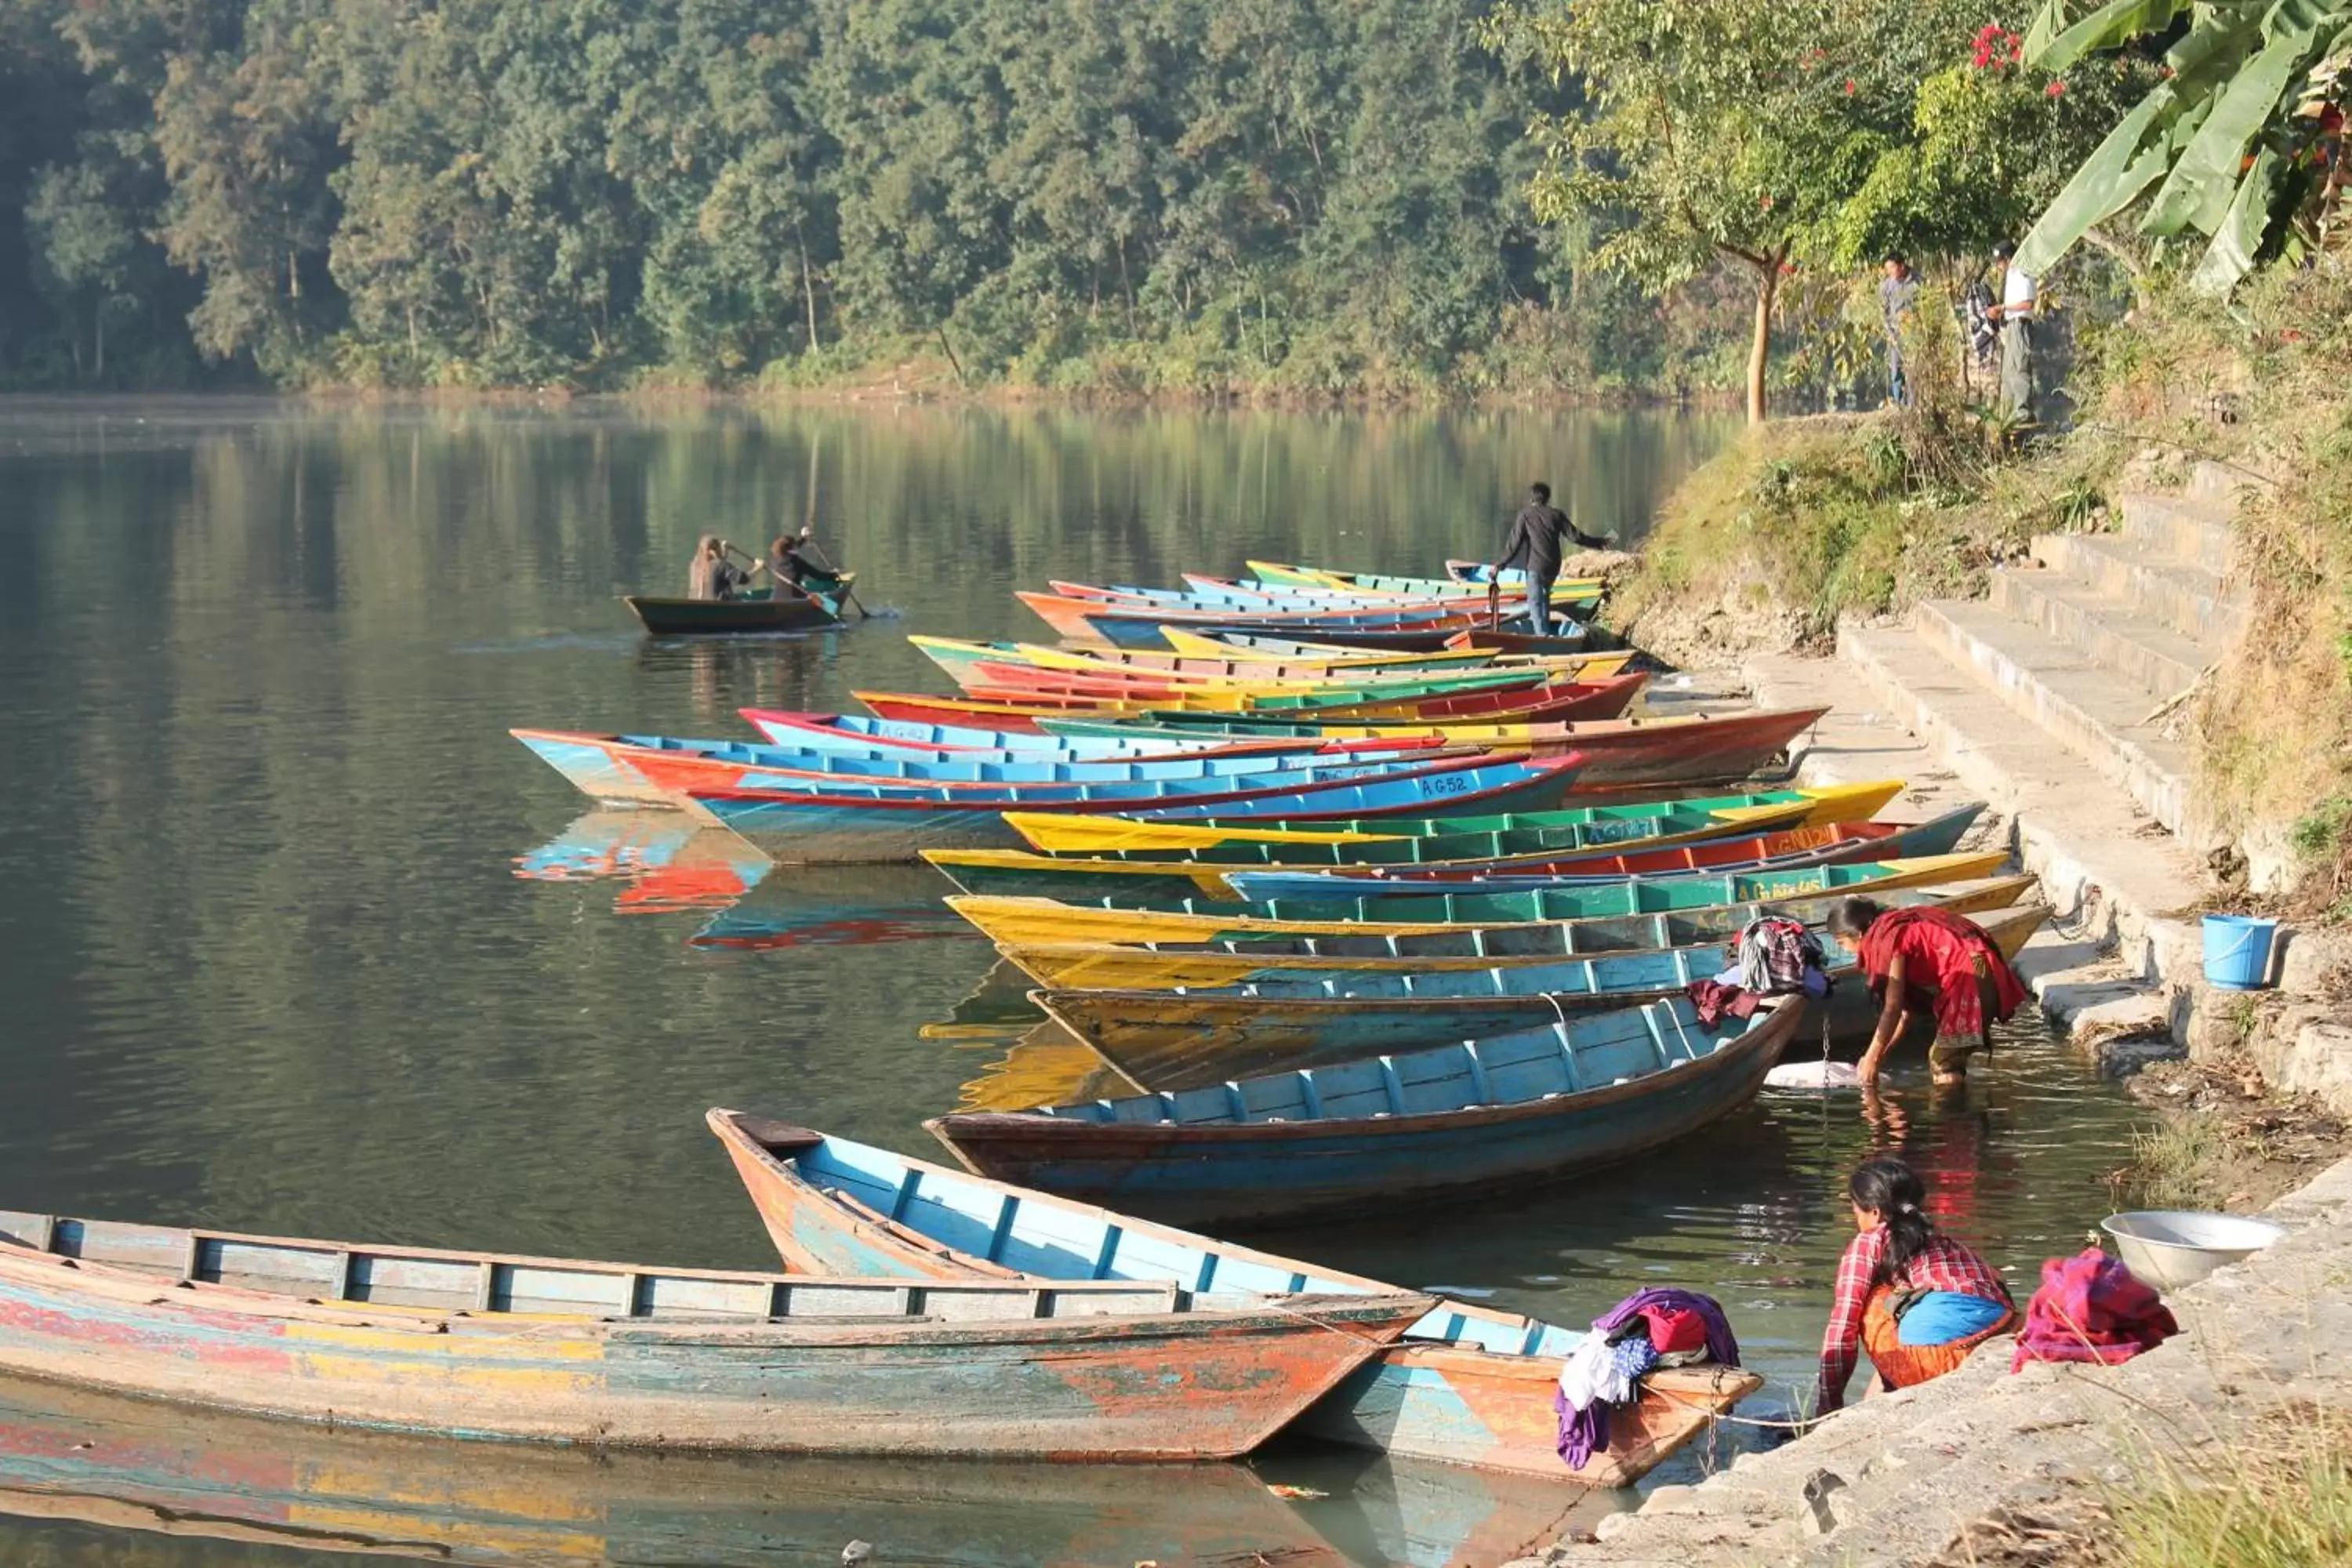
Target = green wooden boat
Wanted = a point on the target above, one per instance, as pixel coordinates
(755, 612)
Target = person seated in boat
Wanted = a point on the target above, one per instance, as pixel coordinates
(1539, 536)
(1917, 1301)
(712, 575)
(790, 565)
(1928, 962)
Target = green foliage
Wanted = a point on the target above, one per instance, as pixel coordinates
(2234, 143)
(1304, 196)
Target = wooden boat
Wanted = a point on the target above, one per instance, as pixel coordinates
(1017, 922)
(1077, 963)
(959, 659)
(1135, 883)
(1529, 1106)
(851, 823)
(215, 1489)
(1215, 594)
(1284, 573)
(1161, 1039)
(549, 1350)
(1011, 708)
(1842, 843)
(1467, 1385)
(755, 612)
(1619, 752)
(1081, 621)
(862, 733)
(1574, 652)
(661, 770)
(1569, 597)
(1261, 697)
(1623, 826)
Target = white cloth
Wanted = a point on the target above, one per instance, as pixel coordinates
(2017, 298)
(1590, 1374)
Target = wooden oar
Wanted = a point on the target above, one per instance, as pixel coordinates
(848, 590)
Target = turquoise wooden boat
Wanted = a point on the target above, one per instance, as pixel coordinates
(1464, 1118)
(859, 733)
(549, 1350)
(1189, 1036)
(1572, 902)
(1467, 1385)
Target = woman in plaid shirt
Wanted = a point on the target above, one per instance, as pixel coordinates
(1915, 1299)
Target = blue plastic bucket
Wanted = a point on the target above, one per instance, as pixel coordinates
(2238, 952)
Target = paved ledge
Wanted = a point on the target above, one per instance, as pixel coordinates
(1896, 1479)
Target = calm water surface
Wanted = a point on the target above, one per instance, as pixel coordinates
(294, 939)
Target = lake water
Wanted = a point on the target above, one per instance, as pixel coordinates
(296, 940)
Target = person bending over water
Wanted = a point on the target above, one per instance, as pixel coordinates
(1925, 961)
(711, 576)
(1913, 1298)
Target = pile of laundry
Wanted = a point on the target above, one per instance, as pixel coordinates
(1651, 1327)
(2092, 1308)
(1775, 956)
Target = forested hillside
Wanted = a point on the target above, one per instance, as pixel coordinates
(1147, 194)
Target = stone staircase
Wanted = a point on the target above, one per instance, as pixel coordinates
(2048, 699)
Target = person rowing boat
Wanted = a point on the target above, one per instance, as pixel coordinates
(711, 576)
(790, 565)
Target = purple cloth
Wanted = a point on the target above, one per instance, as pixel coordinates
(1583, 1433)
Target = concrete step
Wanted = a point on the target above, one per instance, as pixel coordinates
(2178, 528)
(2192, 601)
(2154, 657)
(2114, 874)
(2061, 689)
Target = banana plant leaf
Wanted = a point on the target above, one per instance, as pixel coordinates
(2231, 254)
(2204, 179)
(2052, 46)
(2108, 182)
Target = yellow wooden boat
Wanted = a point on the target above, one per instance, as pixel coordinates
(1142, 966)
(1030, 922)
(951, 653)
(1584, 665)
(1067, 834)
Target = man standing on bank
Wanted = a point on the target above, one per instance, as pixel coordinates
(1898, 296)
(1539, 534)
(2015, 316)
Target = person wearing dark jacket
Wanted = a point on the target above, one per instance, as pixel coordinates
(1538, 535)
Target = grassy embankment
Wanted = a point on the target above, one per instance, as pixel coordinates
(1809, 519)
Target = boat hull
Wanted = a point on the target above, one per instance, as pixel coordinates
(1153, 1385)
(1279, 1172)
(719, 617)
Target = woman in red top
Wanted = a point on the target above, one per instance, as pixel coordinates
(1915, 1299)
(1926, 961)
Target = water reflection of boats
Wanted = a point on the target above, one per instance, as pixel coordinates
(996, 1009)
(668, 861)
(1046, 1066)
(94, 1458)
(822, 906)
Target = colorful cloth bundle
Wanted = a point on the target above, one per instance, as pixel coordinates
(2092, 1308)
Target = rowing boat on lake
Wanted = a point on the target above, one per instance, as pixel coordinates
(1467, 1385)
(1510, 1109)
(1025, 922)
(1698, 846)
(1584, 825)
(491, 1346)
(1164, 1039)
(1086, 958)
(756, 612)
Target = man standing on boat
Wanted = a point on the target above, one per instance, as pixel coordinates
(1538, 534)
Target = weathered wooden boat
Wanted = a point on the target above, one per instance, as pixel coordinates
(1579, 648)
(959, 659)
(1689, 844)
(1467, 1385)
(756, 612)
(1586, 826)
(1528, 1106)
(1010, 708)
(1619, 752)
(1279, 573)
(548, 1350)
(860, 733)
(1527, 686)
(1785, 849)
(1191, 1038)
(271, 1492)
(1078, 962)
(661, 770)
(857, 823)
(1203, 592)
(1017, 922)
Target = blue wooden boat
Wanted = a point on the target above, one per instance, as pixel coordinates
(1463, 1119)
(1467, 1385)
(1192, 1037)
(1937, 836)
(651, 770)
(858, 733)
(550, 1350)
(853, 822)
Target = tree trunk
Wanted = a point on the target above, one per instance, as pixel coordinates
(101, 324)
(1760, 343)
(808, 284)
